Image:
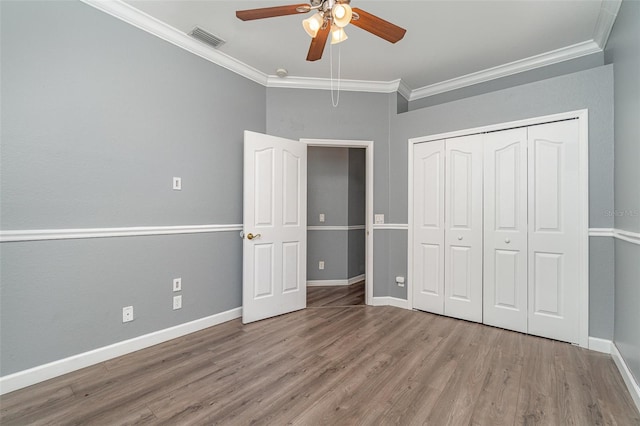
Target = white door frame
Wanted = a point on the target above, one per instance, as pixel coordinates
(368, 146)
(583, 117)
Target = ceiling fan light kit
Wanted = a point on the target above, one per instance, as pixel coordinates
(341, 13)
(338, 35)
(312, 24)
(331, 17)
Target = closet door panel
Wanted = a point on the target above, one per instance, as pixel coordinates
(554, 231)
(428, 229)
(463, 233)
(505, 229)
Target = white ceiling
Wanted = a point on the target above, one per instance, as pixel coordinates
(445, 39)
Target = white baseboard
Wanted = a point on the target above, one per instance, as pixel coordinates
(38, 374)
(330, 283)
(326, 283)
(608, 347)
(390, 301)
(355, 279)
(600, 345)
(628, 378)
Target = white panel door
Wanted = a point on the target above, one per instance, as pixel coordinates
(428, 226)
(275, 226)
(463, 228)
(505, 229)
(554, 230)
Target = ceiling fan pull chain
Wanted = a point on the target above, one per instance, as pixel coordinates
(335, 101)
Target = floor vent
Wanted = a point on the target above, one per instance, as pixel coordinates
(206, 37)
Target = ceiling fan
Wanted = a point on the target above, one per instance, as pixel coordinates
(330, 19)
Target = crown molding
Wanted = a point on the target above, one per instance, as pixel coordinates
(532, 62)
(123, 11)
(139, 19)
(404, 90)
(606, 19)
(325, 84)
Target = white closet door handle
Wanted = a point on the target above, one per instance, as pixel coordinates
(507, 240)
(459, 237)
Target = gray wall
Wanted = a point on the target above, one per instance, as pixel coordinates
(327, 192)
(295, 114)
(627, 317)
(332, 248)
(97, 117)
(336, 187)
(623, 50)
(554, 70)
(327, 186)
(591, 89)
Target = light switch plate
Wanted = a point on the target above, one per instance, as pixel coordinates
(378, 218)
(177, 284)
(321, 217)
(177, 183)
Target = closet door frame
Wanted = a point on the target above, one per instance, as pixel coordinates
(583, 117)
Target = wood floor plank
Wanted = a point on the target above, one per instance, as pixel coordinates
(323, 296)
(364, 357)
(498, 398)
(14, 410)
(378, 384)
(610, 391)
(472, 354)
(338, 365)
(538, 395)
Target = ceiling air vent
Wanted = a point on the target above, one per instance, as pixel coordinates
(206, 37)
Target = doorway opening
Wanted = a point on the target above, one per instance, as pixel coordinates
(340, 213)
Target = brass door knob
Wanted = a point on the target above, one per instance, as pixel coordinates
(250, 236)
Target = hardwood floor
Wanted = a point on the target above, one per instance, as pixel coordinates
(321, 296)
(338, 366)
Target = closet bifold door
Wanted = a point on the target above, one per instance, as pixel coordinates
(463, 228)
(428, 228)
(505, 229)
(554, 230)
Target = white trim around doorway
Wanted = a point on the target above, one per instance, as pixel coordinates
(368, 146)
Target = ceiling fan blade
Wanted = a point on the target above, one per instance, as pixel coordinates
(271, 12)
(318, 43)
(377, 26)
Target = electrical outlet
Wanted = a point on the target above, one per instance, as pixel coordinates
(177, 302)
(321, 218)
(127, 314)
(321, 265)
(177, 183)
(378, 218)
(177, 284)
(400, 281)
